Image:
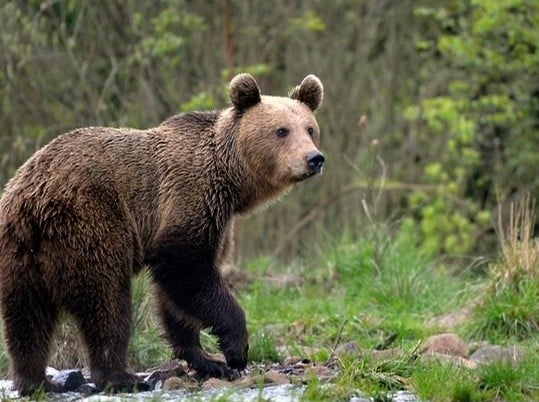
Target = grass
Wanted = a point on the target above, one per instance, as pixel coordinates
(369, 289)
(510, 307)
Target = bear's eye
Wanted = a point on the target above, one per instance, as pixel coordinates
(282, 132)
(310, 130)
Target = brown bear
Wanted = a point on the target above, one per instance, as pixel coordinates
(96, 205)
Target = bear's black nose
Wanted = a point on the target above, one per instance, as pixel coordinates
(315, 161)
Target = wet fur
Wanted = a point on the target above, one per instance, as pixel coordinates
(96, 205)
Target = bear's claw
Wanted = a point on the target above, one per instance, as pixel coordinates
(215, 369)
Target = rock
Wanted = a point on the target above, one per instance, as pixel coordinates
(88, 389)
(322, 372)
(275, 377)
(244, 382)
(213, 383)
(51, 372)
(292, 360)
(174, 383)
(473, 346)
(69, 380)
(457, 361)
(387, 354)
(140, 386)
(449, 344)
(348, 348)
(174, 368)
(450, 321)
(493, 354)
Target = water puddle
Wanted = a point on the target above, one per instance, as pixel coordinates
(274, 393)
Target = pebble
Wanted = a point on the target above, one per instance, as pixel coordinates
(174, 383)
(275, 377)
(70, 380)
(212, 383)
(448, 344)
(348, 348)
(493, 353)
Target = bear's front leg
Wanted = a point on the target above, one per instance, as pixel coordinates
(183, 334)
(196, 297)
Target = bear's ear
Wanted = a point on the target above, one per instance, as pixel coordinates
(310, 92)
(244, 91)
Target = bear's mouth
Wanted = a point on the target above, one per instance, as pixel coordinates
(308, 175)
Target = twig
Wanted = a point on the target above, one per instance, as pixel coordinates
(386, 342)
(335, 344)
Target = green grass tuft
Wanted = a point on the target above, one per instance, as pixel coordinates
(507, 381)
(435, 380)
(262, 348)
(510, 312)
(509, 306)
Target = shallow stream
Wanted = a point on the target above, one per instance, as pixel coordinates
(274, 393)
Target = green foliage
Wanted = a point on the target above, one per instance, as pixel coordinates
(508, 381)
(507, 311)
(508, 307)
(262, 348)
(443, 99)
(448, 222)
(147, 347)
(438, 381)
(309, 22)
(315, 390)
(4, 358)
(480, 129)
(391, 274)
(201, 101)
(167, 33)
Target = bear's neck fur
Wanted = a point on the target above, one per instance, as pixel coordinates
(251, 189)
(234, 183)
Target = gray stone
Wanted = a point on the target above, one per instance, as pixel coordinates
(493, 354)
(348, 348)
(386, 354)
(450, 321)
(70, 380)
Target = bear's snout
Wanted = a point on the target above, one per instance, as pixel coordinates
(315, 162)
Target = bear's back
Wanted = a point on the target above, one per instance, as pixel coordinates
(137, 172)
(135, 160)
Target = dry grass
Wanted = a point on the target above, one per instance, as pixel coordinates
(519, 249)
(508, 308)
(68, 350)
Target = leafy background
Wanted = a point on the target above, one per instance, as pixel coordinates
(430, 117)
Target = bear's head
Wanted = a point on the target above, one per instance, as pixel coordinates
(278, 137)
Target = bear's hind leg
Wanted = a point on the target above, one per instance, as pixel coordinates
(183, 334)
(29, 321)
(105, 323)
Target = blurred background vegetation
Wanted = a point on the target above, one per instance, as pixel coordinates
(430, 120)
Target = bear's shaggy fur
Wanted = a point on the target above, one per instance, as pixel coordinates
(96, 205)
